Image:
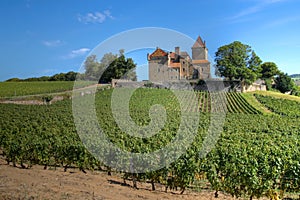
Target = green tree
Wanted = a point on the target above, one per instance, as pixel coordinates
(238, 61)
(92, 66)
(284, 83)
(111, 66)
(269, 70)
(120, 68)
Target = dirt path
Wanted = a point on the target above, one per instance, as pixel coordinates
(37, 183)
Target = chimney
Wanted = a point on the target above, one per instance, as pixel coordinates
(177, 50)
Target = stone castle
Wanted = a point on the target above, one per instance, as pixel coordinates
(178, 65)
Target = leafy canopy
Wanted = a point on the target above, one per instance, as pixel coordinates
(111, 66)
(238, 61)
(269, 70)
(284, 83)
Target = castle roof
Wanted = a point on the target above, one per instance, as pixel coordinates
(158, 53)
(199, 43)
(184, 54)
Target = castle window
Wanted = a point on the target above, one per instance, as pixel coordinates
(158, 70)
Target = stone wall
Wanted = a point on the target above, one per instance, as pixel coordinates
(255, 87)
(159, 72)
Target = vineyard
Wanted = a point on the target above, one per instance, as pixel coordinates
(256, 155)
(13, 89)
(283, 107)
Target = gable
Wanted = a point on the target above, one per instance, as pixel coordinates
(199, 43)
(158, 53)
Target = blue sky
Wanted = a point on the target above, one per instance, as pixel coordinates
(47, 37)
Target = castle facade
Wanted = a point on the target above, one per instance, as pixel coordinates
(178, 65)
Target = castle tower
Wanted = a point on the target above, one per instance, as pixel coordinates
(200, 59)
(199, 50)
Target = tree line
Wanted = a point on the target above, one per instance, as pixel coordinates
(237, 61)
(111, 66)
(69, 76)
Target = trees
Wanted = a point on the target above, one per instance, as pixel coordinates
(119, 68)
(111, 66)
(69, 76)
(269, 70)
(238, 61)
(284, 83)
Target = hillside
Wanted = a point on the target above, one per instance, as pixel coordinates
(35, 137)
(295, 76)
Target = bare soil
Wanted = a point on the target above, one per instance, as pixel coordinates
(37, 183)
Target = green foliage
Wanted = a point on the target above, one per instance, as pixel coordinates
(238, 61)
(280, 106)
(269, 84)
(120, 68)
(10, 89)
(69, 76)
(269, 70)
(296, 91)
(284, 83)
(148, 84)
(111, 66)
(47, 98)
(254, 156)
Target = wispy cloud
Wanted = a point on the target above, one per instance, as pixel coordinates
(282, 21)
(262, 4)
(96, 17)
(52, 43)
(76, 53)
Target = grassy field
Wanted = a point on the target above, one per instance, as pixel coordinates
(277, 95)
(15, 89)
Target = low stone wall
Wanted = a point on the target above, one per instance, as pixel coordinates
(207, 85)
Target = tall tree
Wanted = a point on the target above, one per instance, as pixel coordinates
(120, 68)
(92, 68)
(269, 70)
(238, 61)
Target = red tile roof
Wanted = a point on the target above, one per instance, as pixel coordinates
(158, 53)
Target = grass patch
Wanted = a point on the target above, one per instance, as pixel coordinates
(277, 95)
(256, 104)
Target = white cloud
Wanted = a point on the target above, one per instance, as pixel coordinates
(283, 21)
(52, 43)
(108, 14)
(76, 53)
(96, 17)
(253, 9)
(248, 11)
